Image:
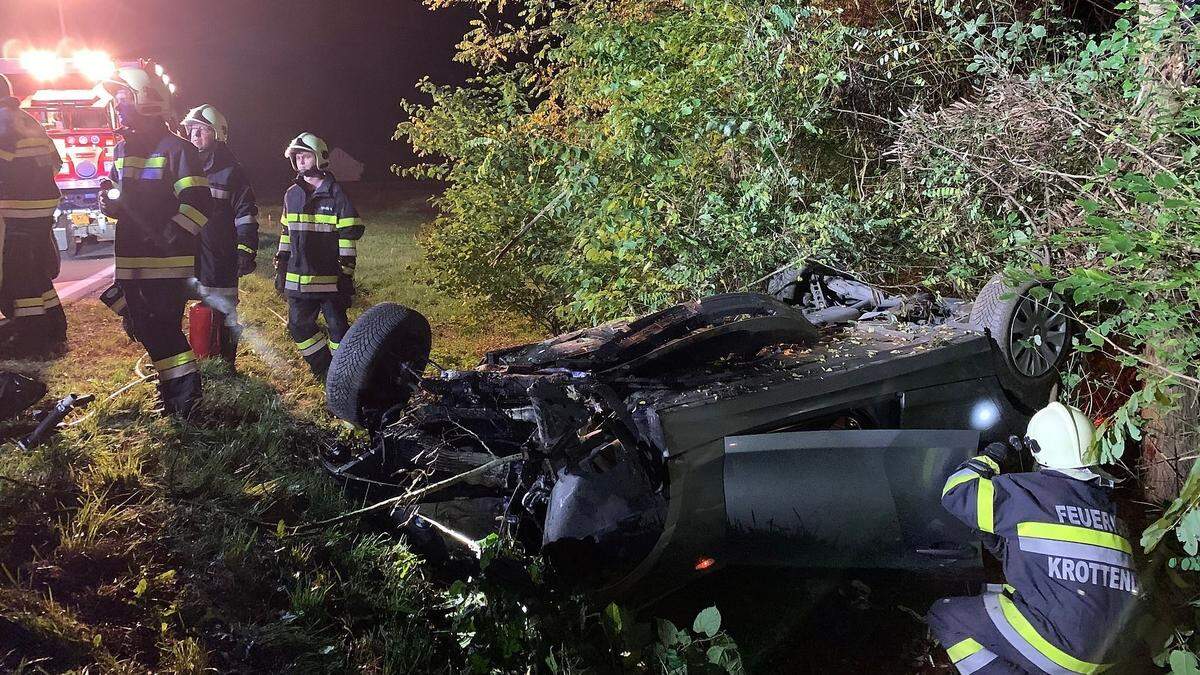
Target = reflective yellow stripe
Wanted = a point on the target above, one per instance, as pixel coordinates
(989, 461)
(333, 346)
(983, 506)
(177, 360)
(958, 478)
(33, 142)
(1027, 631)
(347, 243)
(177, 261)
(963, 649)
(311, 278)
(189, 182)
(28, 203)
(285, 238)
(193, 214)
(246, 249)
(28, 302)
(327, 219)
(1072, 533)
(311, 341)
(7, 156)
(141, 162)
(348, 222)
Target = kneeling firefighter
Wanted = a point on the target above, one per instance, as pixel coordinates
(161, 202)
(317, 252)
(229, 242)
(1067, 560)
(31, 317)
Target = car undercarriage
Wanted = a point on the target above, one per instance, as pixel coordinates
(811, 427)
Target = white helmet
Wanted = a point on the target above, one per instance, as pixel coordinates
(151, 95)
(1063, 434)
(307, 142)
(207, 115)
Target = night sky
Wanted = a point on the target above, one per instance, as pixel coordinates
(274, 67)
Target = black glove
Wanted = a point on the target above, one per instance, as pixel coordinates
(246, 263)
(109, 207)
(1001, 453)
(347, 264)
(281, 265)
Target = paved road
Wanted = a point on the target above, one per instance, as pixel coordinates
(85, 276)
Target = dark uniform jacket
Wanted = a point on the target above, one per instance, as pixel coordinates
(319, 240)
(28, 164)
(28, 198)
(1067, 561)
(233, 225)
(164, 204)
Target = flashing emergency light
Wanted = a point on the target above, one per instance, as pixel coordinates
(171, 87)
(95, 65)
(43, 64)
(704, 563)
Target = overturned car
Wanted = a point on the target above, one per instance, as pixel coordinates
(812, 427)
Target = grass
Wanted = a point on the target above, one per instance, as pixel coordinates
(135, 543)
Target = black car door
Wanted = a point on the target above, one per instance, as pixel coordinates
(859, 498)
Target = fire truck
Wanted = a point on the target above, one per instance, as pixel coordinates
(61, 93)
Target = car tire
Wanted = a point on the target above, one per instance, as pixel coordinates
(1033, 337)
(373, 368)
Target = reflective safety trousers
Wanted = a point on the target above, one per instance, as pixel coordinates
(319, 239)
(1067, 560)
(163, 206)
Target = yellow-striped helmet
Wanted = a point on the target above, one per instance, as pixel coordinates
(151, 95)
(209, 116)
(307, 142)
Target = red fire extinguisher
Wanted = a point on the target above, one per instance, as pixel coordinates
(204, 331)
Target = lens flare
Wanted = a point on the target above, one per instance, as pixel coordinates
(43, 64)
(95, 65)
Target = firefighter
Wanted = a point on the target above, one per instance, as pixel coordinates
(163, 205)
(229, 242)
(317, 249)
(31, 317)
(1066, 557)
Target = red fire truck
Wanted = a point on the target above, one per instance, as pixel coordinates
(61, 93)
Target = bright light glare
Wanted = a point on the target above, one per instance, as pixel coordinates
(984, 415)
(166, 79)
(94, 65)
(158, 70)
(43, 65)
(171, 88)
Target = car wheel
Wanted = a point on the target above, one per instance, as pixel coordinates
(377, 364)
(1033, 336)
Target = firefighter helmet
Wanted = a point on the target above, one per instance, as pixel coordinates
(151, 95)
(207, 115)
(1063, 434)
(307, 142)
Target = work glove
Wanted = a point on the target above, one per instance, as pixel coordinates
(1006, 455)
(246, 263)
(109, 207)
(281, 265)
(347, 264)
